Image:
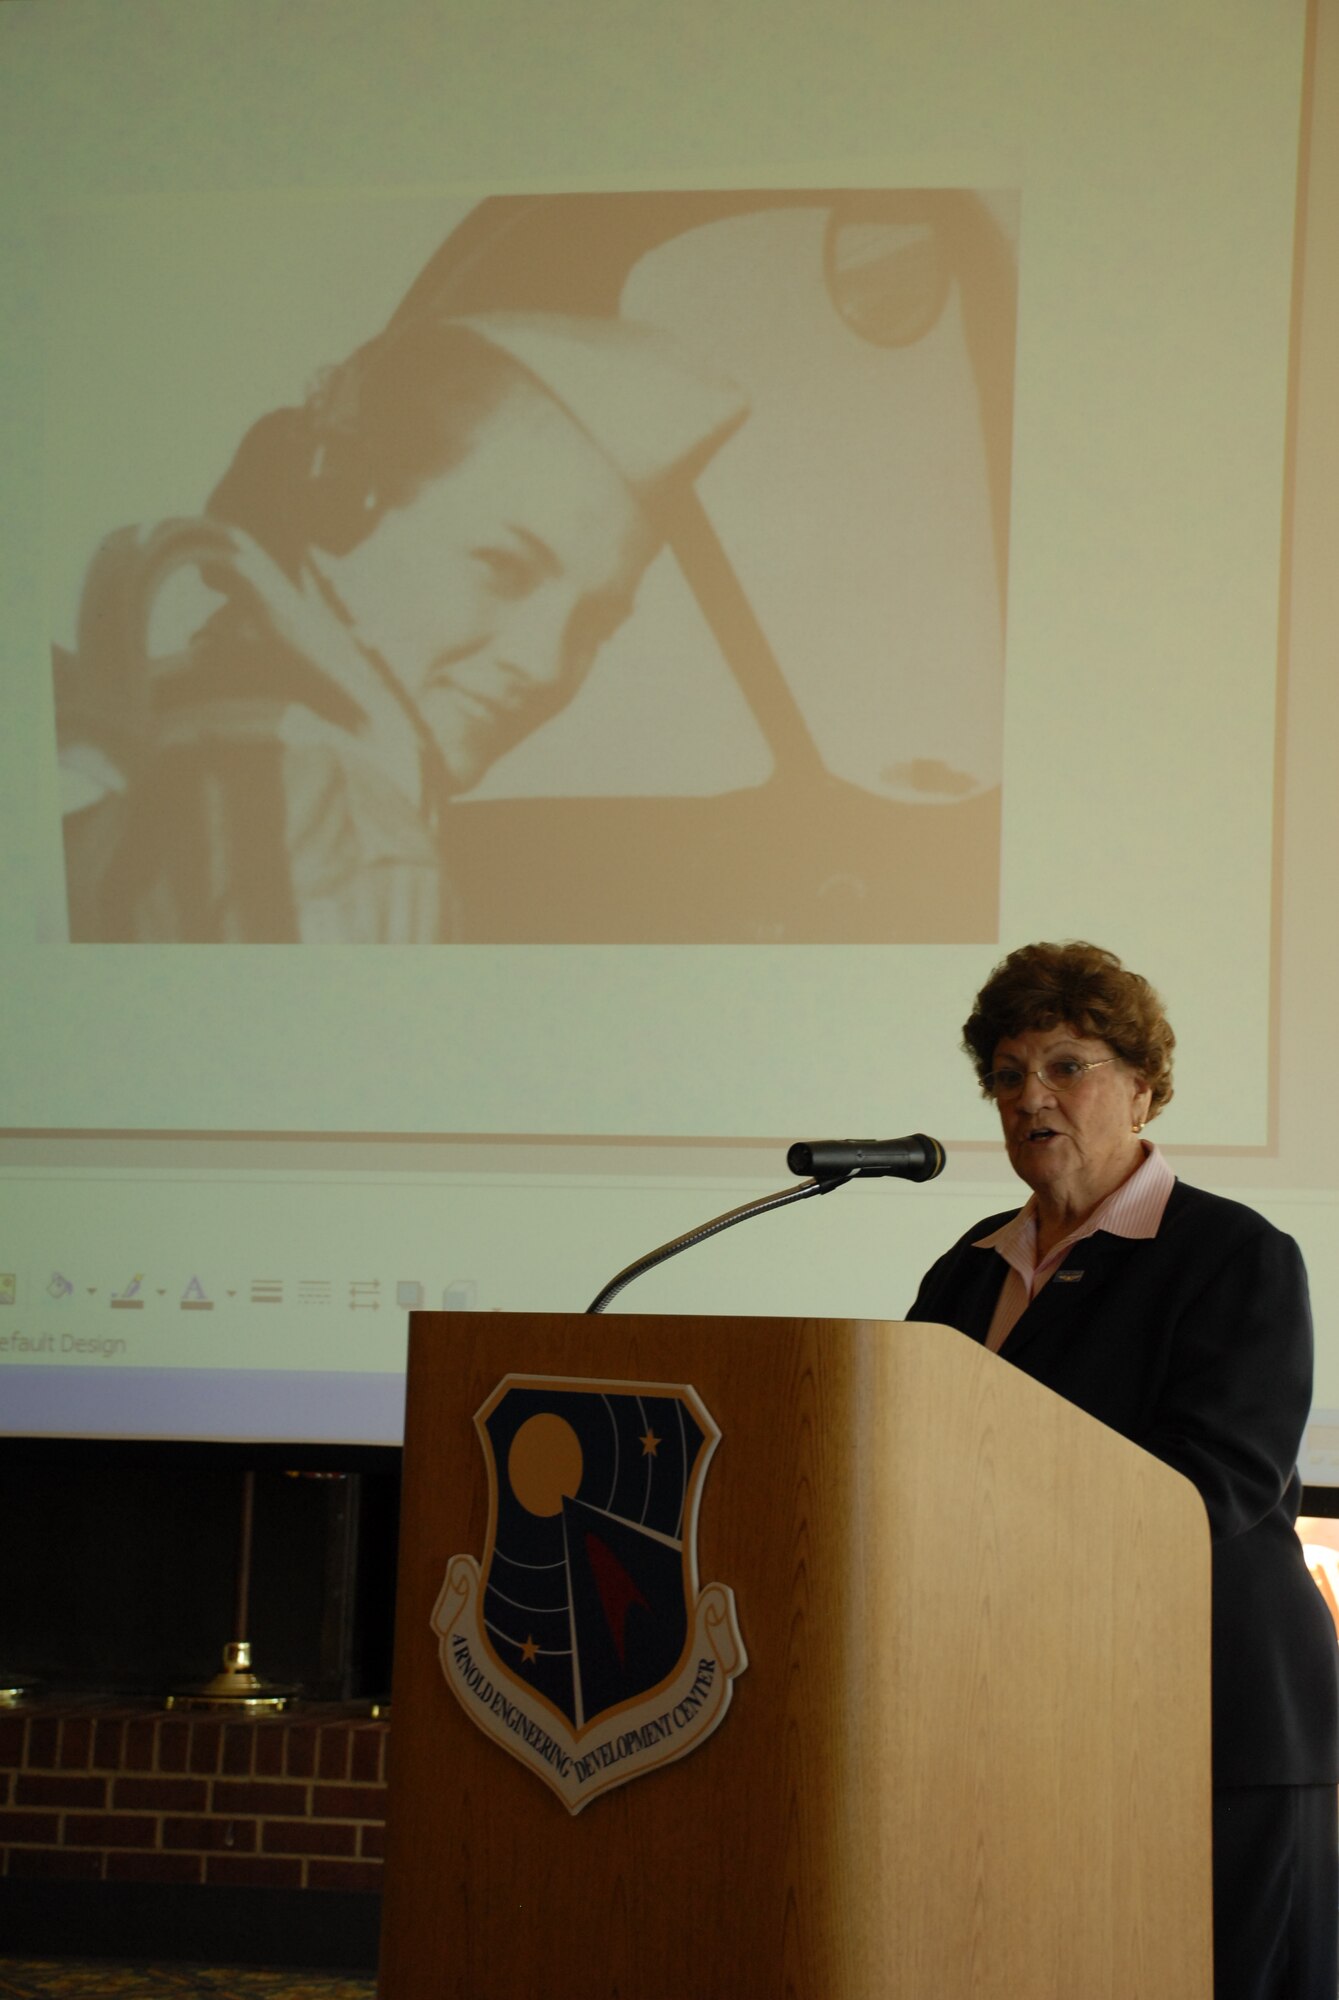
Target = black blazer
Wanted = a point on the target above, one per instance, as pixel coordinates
(1196, 1344)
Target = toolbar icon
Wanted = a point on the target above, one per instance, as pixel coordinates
(408, 1294)
(195, 1299)
(59, 1286)
(315, 1292)
(365, 1292)
(9, 1287)
(267, 1291)
(129, 1300)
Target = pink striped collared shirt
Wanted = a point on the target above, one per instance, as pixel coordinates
(1135, 1208)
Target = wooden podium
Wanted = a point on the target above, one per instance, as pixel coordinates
(968, 1756)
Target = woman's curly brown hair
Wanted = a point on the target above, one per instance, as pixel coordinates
(1045, 985)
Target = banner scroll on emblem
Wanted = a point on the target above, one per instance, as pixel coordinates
(581, 1642)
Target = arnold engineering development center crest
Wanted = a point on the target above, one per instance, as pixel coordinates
(581, 1642)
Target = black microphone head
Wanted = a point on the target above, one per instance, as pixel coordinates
(916, 1158)
(934, 1161)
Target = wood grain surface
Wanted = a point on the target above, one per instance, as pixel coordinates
(969, 1755)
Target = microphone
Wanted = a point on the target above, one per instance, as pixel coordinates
(915, 1158)
(827, 1164)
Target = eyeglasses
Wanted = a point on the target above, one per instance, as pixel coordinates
(1060, 1073)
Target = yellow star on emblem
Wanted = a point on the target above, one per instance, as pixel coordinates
(650, 1443)
(529, 1650)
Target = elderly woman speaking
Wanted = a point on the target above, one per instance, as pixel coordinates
(1181, 1320)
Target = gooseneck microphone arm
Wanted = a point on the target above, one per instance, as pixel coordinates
(832, 1162)
(759, 1206)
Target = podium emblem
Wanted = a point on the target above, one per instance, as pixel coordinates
(581, 1642)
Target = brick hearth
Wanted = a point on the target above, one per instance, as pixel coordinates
(130, 1795)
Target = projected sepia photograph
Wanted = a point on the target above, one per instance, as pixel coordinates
(639, 577)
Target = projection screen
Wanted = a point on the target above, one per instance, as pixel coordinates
(876, 532)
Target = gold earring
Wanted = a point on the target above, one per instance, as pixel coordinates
(1140, 1126)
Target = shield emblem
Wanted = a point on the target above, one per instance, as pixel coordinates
(581, 1641)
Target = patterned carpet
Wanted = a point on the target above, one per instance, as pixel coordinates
(91, 1979)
